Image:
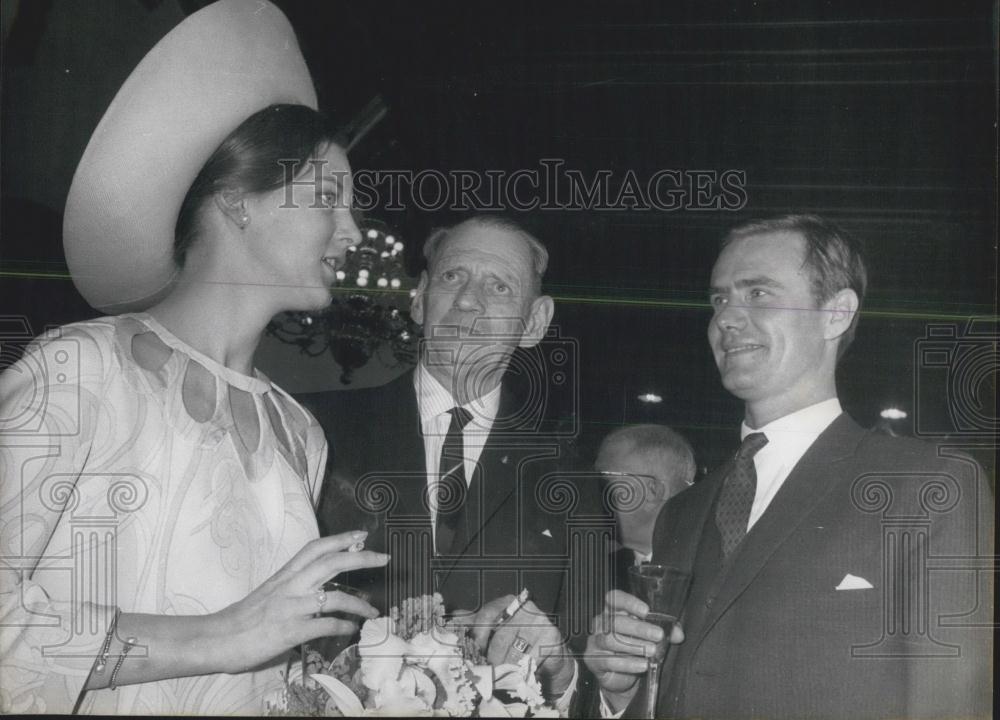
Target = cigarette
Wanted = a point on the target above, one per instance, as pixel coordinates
(515, 605)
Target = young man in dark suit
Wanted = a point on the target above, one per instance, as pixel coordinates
(452, 467)
(834, 570)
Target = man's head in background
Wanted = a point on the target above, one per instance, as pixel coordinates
(645, 465)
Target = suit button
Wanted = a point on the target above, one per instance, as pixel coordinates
(709, 601)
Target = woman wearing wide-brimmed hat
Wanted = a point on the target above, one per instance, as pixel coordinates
(158, 533)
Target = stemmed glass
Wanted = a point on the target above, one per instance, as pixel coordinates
(665, 590)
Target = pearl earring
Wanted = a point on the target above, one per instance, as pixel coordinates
(244, 221)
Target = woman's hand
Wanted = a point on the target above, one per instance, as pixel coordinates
(283, 611)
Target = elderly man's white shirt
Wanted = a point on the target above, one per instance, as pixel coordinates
(433, 403)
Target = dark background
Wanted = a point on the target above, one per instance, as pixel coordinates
(882, 117)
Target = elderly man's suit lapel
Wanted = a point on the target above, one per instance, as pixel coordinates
(500, 498)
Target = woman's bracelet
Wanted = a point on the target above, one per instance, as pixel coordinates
(102, 659)
(129, 644)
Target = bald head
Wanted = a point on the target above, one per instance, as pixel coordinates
(645, 465)
(653, 450)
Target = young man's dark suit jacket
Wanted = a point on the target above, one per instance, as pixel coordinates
(520, 512)
(769, 636)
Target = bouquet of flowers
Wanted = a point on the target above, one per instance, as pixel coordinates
(408, 663)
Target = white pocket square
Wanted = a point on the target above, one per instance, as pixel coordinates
(853, 582)
(546, 533)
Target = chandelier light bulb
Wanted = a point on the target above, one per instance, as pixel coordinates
(365, 317)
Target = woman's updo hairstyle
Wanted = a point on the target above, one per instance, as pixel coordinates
(249, 159)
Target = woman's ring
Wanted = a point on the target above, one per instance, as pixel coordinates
(321, 598)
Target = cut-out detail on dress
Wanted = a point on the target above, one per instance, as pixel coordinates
(145, 358)
(210, 402)
(150, 353)
(286, 445)
(277, 425)
(242, 516)
(199, 392)
(245, 419)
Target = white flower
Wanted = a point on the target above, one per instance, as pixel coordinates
(520, 681)
(439, 652)
(381, 653)
(401, 697)
(399, 675)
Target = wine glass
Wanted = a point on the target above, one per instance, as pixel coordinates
(664, 589)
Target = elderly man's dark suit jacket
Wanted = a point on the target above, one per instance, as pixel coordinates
(768, 635)
(521, 510)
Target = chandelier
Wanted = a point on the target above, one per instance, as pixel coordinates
(369, 315)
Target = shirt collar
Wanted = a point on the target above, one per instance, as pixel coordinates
(433, 399)
(808, 422)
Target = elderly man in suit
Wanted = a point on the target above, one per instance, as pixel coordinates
(833, 570)
(450, 467)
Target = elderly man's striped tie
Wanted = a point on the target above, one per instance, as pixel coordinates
(452, 487)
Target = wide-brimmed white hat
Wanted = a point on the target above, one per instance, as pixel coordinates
(209, 74)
